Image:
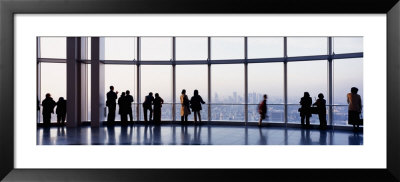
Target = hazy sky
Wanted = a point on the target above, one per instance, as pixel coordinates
(267, 78)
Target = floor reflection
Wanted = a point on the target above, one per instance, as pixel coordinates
(194, 135)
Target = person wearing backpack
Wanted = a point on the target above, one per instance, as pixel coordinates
(262, 109)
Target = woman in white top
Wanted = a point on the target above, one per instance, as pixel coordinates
(354, 101)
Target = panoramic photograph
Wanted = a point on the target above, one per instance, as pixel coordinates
(217, 90)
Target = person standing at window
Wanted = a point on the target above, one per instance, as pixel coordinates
(148, 101)
(354, 101)
(61, 110)
(158, 101)
(321, 110)
(195, 104)
(262, 109)
(111, 104)
(48, 107)
(129, 99)
(305, 110)
(185, 103)
(122, 103)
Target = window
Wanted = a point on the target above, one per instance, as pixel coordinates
(266, 78)
(156, 48)
(305, 76)
(264, 47)
(307, 46)
(191, 48)
(347, 44)
(120, 48)
(191, 77)
(227, 48)
(227, 87)
(54, 81)
(347, 73)
(122, 77)
(157, 79)
(53, 47)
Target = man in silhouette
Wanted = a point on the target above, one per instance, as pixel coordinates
(48, 107)
(148, 101)
(61, 110)
(122, 103)
(129, 99)
(111, 104)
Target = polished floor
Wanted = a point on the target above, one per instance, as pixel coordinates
(174, 134)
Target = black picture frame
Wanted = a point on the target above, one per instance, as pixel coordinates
(8, 8)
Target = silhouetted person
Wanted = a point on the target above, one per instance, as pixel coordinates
(129, 99)
(61, 110)
(111, 104)
(262, 109)
(305, 110)
(48, 107)
(158, 101)
(321, 110)
(148, 101)
(195, 104)
(123, 104)
(354, 101)
(185, 104)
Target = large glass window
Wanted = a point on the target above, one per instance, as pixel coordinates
(120, 48)
(347, 44)
(307, 46)
(157, 79)
(264, 47)
(266, 78)
(191, 48)
(305, 76)
(227, 48)
(227, 86)
(53, 47)
(191, 77)
(156, 48)
(122, 77)
(54, 81)
(347, 73)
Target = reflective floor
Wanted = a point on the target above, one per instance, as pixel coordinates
(194, 135)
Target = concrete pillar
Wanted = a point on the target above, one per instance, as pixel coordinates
(73, 82)
(97, 82)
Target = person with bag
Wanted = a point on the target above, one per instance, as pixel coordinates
(61, 110)
(185, 104)
(305, 110)
(195, 104)
(262, 109)
(48, 108)
(148, 101)
(321, 110)
(158, 102)
(354, 101)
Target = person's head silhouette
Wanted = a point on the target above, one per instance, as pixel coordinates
(306, 94)
(112, 88)
(48, 95)
(128, 92)
(183, 92)
(265, 96)
(320, 96)
(151, 93)
(61, 99)
(122, 94)
(196, 92)
(156, 95)
(354, 90)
